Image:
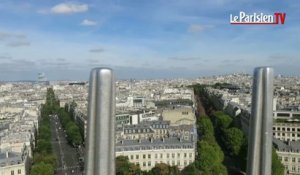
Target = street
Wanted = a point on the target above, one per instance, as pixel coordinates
(67, 156)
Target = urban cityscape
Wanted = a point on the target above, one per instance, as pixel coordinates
(179, 126)
(191, 91)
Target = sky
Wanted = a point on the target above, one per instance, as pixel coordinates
(144, 39)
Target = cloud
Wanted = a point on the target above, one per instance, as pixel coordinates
(196, 28)
(69, 8)
(91, 60)
(87, 22)
(97, 50)
(18, 43)
(5, 57)
(66, 8)
(283, 59)
(184, 58)
(9, 35)
(61, 59)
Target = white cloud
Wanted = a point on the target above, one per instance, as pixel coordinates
(69, 8)
(88, 22)
(195, 28)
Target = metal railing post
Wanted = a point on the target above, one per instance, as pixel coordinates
(261, 121)
(100, 147)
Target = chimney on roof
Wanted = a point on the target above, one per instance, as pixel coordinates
(6, 154)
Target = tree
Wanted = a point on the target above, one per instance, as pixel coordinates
(277, 167)
(222, 121)
(190, 170)
(233, 140)
(124, 167)
(164, 169)
(44, 146)
(42, 169)
(46, 158)
(208, 157)
(219, 169)
(205, 126)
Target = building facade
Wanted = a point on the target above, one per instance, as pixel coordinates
(148, 152)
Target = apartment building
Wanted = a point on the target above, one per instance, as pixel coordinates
(13, 163)
(148, 152)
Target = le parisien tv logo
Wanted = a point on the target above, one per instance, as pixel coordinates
(258, 18)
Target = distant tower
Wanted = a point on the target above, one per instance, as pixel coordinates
(41, 77)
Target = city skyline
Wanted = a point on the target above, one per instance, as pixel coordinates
(143, 39)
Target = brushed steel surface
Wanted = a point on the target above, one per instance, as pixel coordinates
(100, 145)
(261, 121)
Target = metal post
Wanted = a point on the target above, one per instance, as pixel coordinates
(261, 121)
(100, 147)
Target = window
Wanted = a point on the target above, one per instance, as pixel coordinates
(185, 113)
(286, 159)
(293, 159)
(144, 156)
(184, 155)
(137, 157)
(191, 155)
(12, 172)
(168, 155)
(293, 129)
(149, 163)
(144, 164)
(178, 155)
(149, 156)
(156, 156)
(161, 155)
(131, 157)
(173, 155)
(19, 171)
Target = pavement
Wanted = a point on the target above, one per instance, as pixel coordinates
(67, 155)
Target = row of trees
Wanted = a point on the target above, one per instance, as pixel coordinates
(72, 130)
(210, 155)
(44, 160)
(124, 167)
(229, 135)
(231, 138)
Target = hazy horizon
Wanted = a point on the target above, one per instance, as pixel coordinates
(144, 39)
